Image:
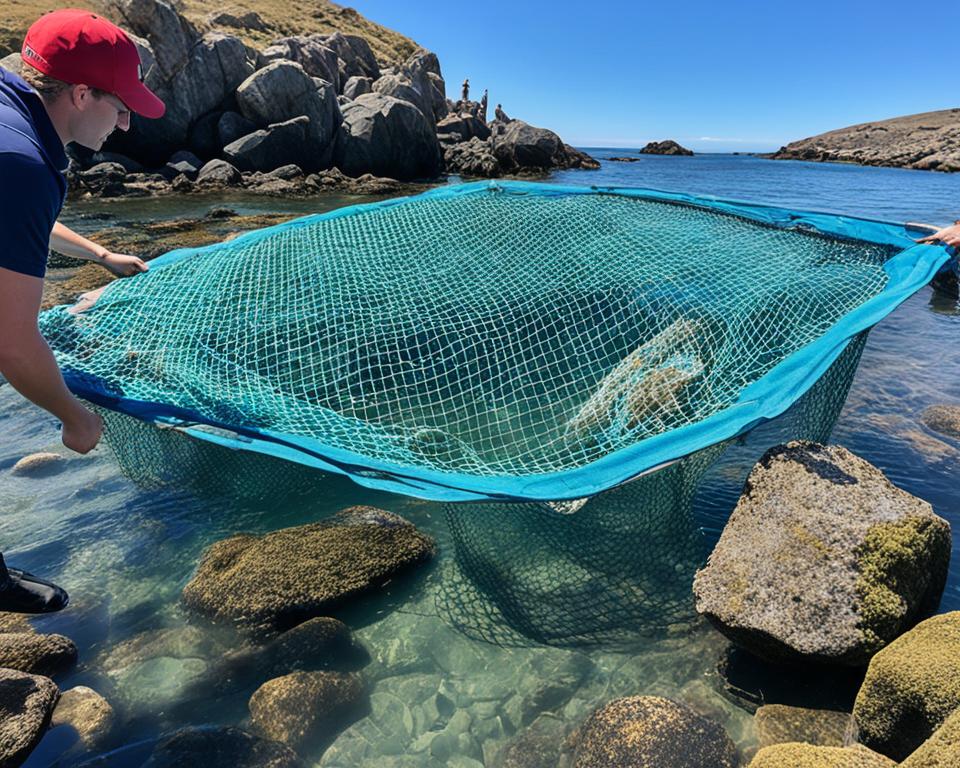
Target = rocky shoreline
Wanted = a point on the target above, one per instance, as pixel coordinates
(304, 114)
(824, 580)
(929, 141)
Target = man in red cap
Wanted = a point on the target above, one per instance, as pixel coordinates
(81, 81)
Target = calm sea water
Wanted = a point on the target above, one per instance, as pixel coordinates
(125, 553)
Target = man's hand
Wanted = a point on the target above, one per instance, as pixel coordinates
(948, 235)
(82, 431)
(123, 265)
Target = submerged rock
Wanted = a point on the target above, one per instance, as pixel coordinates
(87, 712)
(220, 748)
(43, 464)
(940, 750)
(26, 704)
(306, 709)
(780, 724)
(823, 560)
(35, 653)
(652, 732)
(944, 419)
(809, 756)
(911, 687)
(268, 583)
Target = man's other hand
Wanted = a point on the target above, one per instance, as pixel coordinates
(122, 265)
(948, 235)
(83, 431)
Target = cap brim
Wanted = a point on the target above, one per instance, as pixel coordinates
(142, 101)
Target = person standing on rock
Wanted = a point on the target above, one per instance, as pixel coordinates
(482, 111)
(81, 81)
(465, 93)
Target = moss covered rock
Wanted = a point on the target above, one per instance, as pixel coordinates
(35, 653)
(823, 560)
(26, 703)
(87, 712)
(942, 750)
(213, 747)
(265, 584)
(911, 687)
(944, 419)
(780, 724)
(307, 709)
(652, 732)
(808, 756)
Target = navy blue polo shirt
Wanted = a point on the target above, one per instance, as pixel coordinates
(32, 184)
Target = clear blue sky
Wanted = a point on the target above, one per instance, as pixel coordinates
(716, 76)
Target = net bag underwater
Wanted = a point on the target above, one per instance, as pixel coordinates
(489, 342)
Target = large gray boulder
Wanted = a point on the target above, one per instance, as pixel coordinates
(823, 559)
(357, 86)
(304, 709)
(387, 137)
(219, 172)
(310, 53)
(269, 148)
(26, 704)
(467, 126)
(520, 147)
(193, 74)
(37, 654)
(354, 53)
(422, 68)
(401, 87)
(265, 584)
(283, 90)
(652, 732)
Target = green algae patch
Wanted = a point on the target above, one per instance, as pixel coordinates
(798, 755)
(893, 588)
(942, 750)
(911, 687)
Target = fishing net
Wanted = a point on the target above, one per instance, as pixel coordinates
(483, 341)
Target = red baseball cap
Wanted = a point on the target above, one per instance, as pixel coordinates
(80, 47)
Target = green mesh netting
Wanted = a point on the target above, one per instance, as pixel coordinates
(497, 334)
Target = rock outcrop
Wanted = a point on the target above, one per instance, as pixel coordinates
(944, 419)
(652, 732)
(265, 584)
(303, 709)
(27, 703)
(926, 141)
(911, 688)
(668, 147)
(780, 724)
(387, 137)
(823, 559)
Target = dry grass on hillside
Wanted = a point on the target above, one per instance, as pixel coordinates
(283, 17)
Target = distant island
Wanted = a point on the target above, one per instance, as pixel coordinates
(929, 141)
(668, 147)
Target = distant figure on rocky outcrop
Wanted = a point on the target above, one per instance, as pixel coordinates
(465, 93)
(500, 115)
(482, 112)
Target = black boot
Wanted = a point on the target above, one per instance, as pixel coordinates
(22, 592)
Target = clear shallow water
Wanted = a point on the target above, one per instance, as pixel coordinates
(437, 696)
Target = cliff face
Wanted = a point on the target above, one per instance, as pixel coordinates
(256, 22)
(928, 141)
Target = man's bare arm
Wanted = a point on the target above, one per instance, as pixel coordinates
(64, 240)
(27, 363)
(949, 235)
